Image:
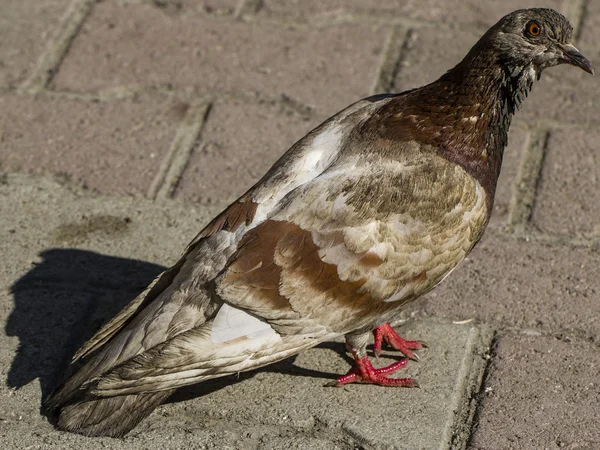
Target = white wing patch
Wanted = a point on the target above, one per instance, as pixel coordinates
(232, 323)
(319, 154)
(312, 160)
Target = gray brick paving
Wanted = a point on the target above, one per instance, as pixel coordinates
(524, 283)
(112, 147)
(558, 100)
(24, 28)
(590, 22)
(429, 52)
(570, 171)
(453, 12)
(166, 110)
(553, 405)
(203, 53)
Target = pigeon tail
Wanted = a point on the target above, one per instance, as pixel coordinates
(110, 416)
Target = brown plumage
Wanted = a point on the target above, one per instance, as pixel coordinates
(369, 211)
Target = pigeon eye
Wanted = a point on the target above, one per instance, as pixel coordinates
(533, 29)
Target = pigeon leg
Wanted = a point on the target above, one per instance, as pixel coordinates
(365, 373)
(392, 338)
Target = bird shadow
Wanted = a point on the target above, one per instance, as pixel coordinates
(59, 304)
(64, 299)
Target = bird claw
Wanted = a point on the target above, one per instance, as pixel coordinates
(365, 373)
(387, 333)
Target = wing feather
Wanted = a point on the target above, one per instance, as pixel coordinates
(180, 300)
(310, 273)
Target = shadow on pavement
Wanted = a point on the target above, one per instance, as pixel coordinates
(62, 301)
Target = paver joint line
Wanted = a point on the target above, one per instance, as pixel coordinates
(181, 148)
(469, 380)
(525, 185)
(392, 55)
(58, 46)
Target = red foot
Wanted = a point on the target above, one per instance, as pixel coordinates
(386, 332)
(365, 373)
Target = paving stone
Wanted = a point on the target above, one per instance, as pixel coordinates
(589, 36)
(452, 11)
(565, 94)
(25, 27)
(121, 46)
(568, 200)
(113, 147)
(515, 283)
(239, 143)
(72, 256)
(430, 52)
(540, 393)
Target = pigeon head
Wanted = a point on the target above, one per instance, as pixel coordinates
(512, 55)
(467, 112)
(534, 39)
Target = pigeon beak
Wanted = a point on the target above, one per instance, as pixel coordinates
(572, 56)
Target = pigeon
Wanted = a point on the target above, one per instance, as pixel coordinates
(366, 213)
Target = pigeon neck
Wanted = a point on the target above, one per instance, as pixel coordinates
(482, 83)
(475, 103)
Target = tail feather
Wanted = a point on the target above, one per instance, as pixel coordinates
(110, 416)
(108, 331)
(73, 389)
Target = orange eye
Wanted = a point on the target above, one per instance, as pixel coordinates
(534, 29)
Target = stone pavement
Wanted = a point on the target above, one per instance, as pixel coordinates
(127, 124)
